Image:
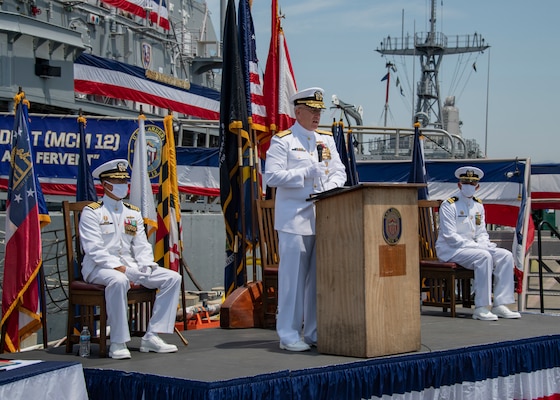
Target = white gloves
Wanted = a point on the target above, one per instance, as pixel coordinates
(136, 275)
(482, 245)
(317, 170)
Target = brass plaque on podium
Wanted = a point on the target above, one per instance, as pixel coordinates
(392, 260)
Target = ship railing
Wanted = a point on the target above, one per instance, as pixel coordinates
(375, 142)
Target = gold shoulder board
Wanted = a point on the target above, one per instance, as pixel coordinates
(452, 200)
(322, 132)
(95, 205)
(284, 133)
(131, 206)
(477, 200)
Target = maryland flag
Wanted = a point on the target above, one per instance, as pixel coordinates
(25, 213)
(169, 246)
(235, 148)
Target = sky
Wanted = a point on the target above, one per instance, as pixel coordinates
(509, 105)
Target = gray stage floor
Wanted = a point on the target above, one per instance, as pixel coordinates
(222, 354)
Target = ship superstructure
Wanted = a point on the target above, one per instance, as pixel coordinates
(430, 47)
(40, 41)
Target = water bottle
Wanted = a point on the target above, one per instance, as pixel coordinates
(85, 338)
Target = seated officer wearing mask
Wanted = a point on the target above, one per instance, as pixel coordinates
(463, 239)
(116, 254)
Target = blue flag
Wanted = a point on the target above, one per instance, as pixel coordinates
(346, 154)
(418, 167)
(234, 148)
(85, 188)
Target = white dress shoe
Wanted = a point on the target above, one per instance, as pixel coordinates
(157, 345)
(504, 312)
(300, 345)
(483, 314)
(118, 351)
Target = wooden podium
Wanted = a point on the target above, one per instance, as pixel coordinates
(368, 289)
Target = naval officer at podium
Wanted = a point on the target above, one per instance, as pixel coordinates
(300, 161)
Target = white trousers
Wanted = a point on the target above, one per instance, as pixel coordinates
(297, 289)
(486, 263)
(116, 287)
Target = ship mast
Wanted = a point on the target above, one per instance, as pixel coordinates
(430, 47)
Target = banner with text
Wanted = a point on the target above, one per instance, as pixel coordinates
(56, 147)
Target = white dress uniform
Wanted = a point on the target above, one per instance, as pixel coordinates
(290, 154)
(112, 234)
(463, 239)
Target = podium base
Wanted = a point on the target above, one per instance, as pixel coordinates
(243, 307)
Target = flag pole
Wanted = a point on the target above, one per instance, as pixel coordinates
(388, 65)
(255, 194)
(241, 205)
(43, 301)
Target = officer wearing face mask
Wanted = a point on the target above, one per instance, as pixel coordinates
(463, 239)
(116, 254)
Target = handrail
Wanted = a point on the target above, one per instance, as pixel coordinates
(541, 263)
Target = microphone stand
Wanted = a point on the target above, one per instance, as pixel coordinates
(320, 148)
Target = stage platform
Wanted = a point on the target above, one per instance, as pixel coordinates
(247, 363)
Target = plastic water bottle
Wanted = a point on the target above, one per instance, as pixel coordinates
(85, 338)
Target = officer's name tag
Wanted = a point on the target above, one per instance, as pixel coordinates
(107, 228)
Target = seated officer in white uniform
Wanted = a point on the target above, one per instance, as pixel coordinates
(463, 239)
(116, 254)
(293, 167)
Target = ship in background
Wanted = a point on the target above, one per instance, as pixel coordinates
(43, 44)
(46, 45)
(439, 118)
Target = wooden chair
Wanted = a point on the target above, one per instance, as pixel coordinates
(444, 283)
(86, 301)
(270, 259)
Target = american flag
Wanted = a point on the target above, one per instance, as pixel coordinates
(158, 14)
(253, 86)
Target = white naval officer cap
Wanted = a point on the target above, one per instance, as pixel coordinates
(311, 97)
(469, 174)
(116, 169)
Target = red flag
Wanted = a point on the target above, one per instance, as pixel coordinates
(21, 314)
(279, 83)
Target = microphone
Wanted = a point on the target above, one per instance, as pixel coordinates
(320, 148)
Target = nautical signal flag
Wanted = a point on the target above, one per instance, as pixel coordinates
(21, 313)
(385, 77)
